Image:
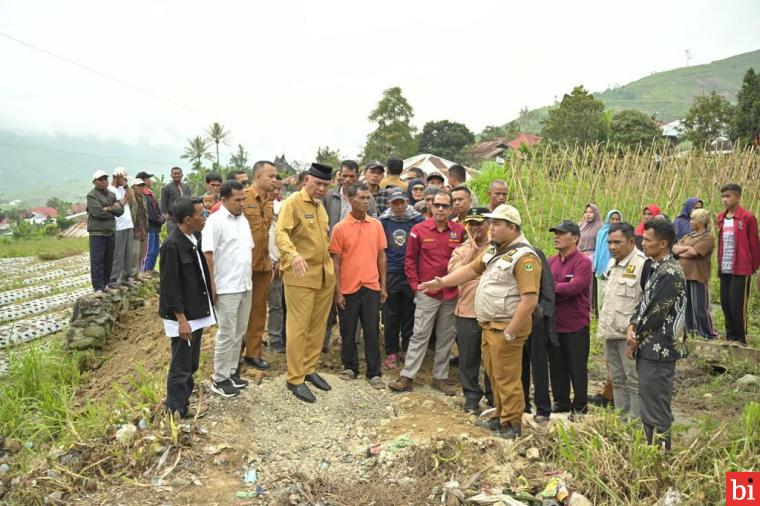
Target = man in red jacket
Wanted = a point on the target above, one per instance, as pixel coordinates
(738, 259)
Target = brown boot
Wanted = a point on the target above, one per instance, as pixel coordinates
(445, 386)
(402, 384)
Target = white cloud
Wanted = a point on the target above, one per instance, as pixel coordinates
(289, 76)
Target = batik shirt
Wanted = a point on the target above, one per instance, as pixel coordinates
(660, 315)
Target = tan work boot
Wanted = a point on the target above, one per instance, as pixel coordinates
(402, 384)
(445, 386)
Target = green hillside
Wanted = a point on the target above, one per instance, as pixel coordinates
(36, 167)
(667, 94)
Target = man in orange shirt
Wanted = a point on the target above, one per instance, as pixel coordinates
(357, 248)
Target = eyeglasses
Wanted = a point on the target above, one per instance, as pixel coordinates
(245, 183)
(102, 178)
(418, 189)
(441, 206)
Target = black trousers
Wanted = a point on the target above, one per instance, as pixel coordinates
(535, 361)
(362, 306)
(569, 365)
(398, 313)
(656, 380)
(734, 300)
(101, 260)
(184, 362)
(469, 338)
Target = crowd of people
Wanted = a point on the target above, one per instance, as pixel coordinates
(417, 253)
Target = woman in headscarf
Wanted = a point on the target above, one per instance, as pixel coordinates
(694, 252)
(602, 252)
(683, 220)
(415, 191)
(592, 222)
(590, 226)
(649, 212)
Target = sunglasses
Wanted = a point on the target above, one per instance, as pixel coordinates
(102, 178)
(245, 183)
(441, 206)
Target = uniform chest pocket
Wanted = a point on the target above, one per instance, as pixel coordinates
(429, 245)
(626, 288)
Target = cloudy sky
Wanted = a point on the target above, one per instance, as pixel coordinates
(288, 76)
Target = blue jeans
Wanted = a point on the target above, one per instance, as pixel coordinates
(152, 254)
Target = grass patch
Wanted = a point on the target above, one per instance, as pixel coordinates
(612, 464)
(45, 248)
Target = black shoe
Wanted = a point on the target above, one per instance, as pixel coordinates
(558, 408)
(302, 392)
(599, 400)
(224, 388)
(316, 380)
(258, 363)
(471, 406)
(238, 382)
(276, 347)
(454, 361)
(491, 424)
(508, 431)
(541, 419)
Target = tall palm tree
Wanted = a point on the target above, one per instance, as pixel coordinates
(217, 134)
(196, 151)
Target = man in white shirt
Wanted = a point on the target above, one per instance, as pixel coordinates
(122, 255)
(228, 248)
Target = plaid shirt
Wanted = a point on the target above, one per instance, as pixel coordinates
(381, 199)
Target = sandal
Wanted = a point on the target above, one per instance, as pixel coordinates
(347, 375)
(377, 383)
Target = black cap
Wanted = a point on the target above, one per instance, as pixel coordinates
(374, 164)
(396, 194)
(476, 214)
(435, 175)
(320, 171)
(567, 226)
(395, 164)
(143, 175)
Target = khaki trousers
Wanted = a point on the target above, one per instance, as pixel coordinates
(257, 319)
(503, 363)
(308, 309)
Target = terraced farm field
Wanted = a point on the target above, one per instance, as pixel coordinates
(36, 297)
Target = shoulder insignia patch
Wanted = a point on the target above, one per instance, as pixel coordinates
(529, 267)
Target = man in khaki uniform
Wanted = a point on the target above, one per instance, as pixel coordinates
(510, 280)
(308, 278)
(622, 292)
(259, 212)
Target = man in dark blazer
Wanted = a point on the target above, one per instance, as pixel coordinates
(185, 301)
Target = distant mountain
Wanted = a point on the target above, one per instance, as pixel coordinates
(34, 168)
(667, 94)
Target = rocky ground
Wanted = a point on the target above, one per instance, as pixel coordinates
(355, 445)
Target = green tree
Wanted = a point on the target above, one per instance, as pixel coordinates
(59, 205)
(328, 157)
(707, 119)
(745, 123)
(578, 118)
(218, 135)
(196, 151)
(444, 138)
(492, 132)
(239, 160)
(631, 128)
(395, 136)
